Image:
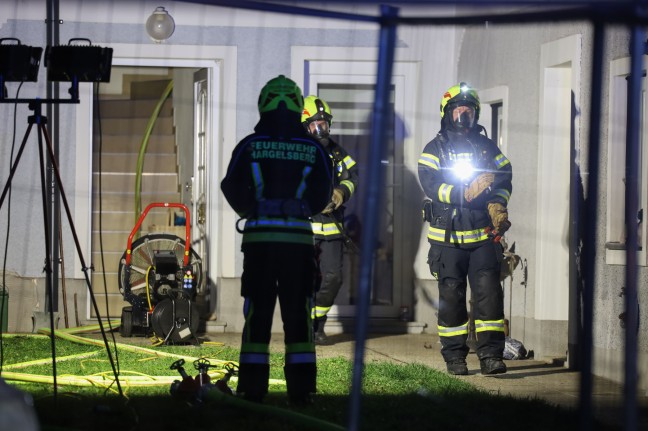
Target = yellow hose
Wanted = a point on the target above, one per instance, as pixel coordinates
(102, 380)
(144, 144)
(107, 379)
(49, 360)
(148, 291)
(122, 346)
(132, 379)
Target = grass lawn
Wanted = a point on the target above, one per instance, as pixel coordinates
(395, 396)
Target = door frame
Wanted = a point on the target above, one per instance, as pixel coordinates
(560, 71)
(359, 65)
(221, 63)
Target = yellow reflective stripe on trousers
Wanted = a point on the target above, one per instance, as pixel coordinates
(320, 312)
(458, 236)
(489, 325)
(444, 331)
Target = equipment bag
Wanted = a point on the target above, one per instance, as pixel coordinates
(514, 349)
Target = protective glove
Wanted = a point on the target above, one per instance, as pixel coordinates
(478, 185)
(499, 217)
(337, 199)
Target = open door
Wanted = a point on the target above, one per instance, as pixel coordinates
(200, 185)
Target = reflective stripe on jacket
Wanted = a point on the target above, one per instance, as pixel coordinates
(452, 219)
(274, 183)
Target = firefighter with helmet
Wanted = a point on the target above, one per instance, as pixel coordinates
(328, 226)
(467, 181)
(278, 177)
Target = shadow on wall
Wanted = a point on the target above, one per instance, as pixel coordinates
(400, 223)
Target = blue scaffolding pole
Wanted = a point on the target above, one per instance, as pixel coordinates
(381, 120)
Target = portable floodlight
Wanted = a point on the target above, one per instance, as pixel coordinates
(18, 62)
(78, 63)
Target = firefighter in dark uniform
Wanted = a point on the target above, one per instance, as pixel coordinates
(278, 177)
(328, 226)
(467, 181)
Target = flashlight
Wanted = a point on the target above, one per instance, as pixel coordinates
(463, 169)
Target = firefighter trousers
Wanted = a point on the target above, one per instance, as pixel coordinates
(270, 271)
(480, 266)
(330, 265)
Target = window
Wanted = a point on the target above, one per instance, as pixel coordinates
(615, 239)
(493, 114)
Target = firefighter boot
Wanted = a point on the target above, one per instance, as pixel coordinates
(319, 336)
(457, 367)
(301, 383)
(491, 366)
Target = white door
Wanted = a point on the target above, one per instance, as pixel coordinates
(200, 185)
(350, 96)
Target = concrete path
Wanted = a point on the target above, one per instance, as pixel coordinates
(528, 379)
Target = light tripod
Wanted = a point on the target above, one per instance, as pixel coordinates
(43, 137)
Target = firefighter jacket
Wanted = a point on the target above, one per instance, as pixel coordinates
(277, 179)
(329, 226)
(453, 220)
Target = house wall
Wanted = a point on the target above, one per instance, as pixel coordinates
(263, 43)
(509, 55)
(263, 51)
